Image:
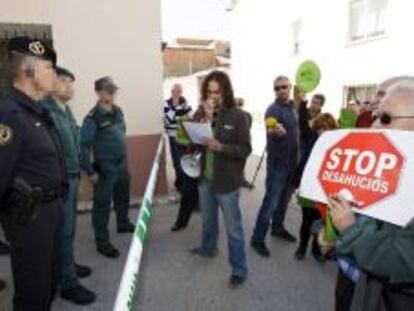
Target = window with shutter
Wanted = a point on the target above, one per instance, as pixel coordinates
(366, 19)
(362, 93)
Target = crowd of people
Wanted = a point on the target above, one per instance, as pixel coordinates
(375, 259)
(43, 153)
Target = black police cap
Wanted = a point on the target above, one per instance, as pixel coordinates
(32, 47)
(60, 71)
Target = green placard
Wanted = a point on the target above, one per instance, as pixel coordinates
(347, 119)
(308, 76)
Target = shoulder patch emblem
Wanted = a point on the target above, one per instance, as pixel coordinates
(6, 135)
(105, 124)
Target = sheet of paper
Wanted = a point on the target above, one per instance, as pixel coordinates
(198, 132)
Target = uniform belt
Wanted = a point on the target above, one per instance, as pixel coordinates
(118, 160)
(74, 175)
(49, 195)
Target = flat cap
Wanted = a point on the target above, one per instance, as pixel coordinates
(105, 84)
(60, 71)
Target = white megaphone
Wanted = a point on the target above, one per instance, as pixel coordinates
(191, 164)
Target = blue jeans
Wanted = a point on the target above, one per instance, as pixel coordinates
(275, 202)
(68, 278)
(229, 204)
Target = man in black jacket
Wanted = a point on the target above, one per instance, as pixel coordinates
(223, 163)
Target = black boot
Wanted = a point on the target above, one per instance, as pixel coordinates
(260, 248)
(316, 252)
(284, 235)
(78, 295)
(177, 227)
(82, 271)
(108, 250)
(127, 227)
(236, 281)
(4, 248)
(2, 285)
(300, 252)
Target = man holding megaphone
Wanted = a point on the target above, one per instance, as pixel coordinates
(223, 161)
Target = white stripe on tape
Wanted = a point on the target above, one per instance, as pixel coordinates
(126, 291)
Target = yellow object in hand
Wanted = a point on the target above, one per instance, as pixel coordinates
(271, 122)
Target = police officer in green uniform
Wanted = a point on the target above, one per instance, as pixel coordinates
(33, 175)
(103, 138)
(57, 104)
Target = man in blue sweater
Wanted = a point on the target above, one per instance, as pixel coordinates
(282, 158)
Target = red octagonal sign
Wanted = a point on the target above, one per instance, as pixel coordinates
(363, 167)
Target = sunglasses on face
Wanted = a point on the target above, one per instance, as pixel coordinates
(386, 119)
(280, 87)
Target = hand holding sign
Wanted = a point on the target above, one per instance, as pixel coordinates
(341, 212)
(373, 170)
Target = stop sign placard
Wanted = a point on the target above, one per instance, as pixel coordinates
(362, 172)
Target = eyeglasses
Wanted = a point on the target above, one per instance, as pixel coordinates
(280, 87)
(385, 118)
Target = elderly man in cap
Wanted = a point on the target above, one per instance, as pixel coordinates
(33, 175)
(103, 136)
(65, 123)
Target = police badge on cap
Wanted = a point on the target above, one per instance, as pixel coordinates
(32, 47)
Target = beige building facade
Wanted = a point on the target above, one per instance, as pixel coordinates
(95, 38)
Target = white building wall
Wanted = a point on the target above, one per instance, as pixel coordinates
(262, 47)
(94, 38)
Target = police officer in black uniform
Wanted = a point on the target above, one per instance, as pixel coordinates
(32, 180)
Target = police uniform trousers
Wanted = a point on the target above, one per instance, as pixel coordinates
(35, 256)
(112, 185)
(68, 277)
